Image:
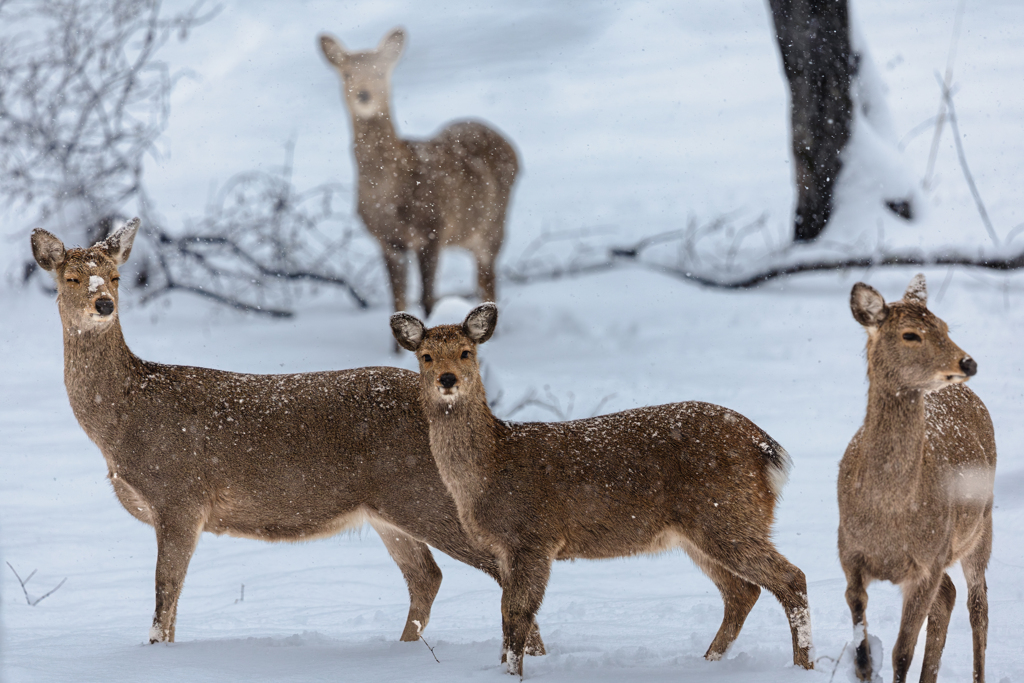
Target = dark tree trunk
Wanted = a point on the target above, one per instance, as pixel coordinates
(814, 38)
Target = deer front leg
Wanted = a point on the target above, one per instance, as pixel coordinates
(175, 542)
(428, 255)
(422, 575)
(938, 623)
(397, 264)
(917, 603)
(524, 582)
(485, 275)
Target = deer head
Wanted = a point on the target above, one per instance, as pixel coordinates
(365, 76)
(908, 346)
(449, 368)
(87, 279)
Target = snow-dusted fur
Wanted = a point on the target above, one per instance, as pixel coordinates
(689, 475)
(271, 457)
(915, 484)
(451, 190)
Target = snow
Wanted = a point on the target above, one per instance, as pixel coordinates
(634, 116)
(95, 282)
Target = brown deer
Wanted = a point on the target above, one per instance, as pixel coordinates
(915, 484)
(686, 475)
(451, 190)
(271, 457)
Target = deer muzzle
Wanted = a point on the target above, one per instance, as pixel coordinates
(105, 306)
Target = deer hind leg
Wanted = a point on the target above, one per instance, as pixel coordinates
(974, 566)
(422, 575)
(739, 597)
(757, 561)
(917, 604)
(175, 542)
(428, 255)
(523, 585)
(938, 622)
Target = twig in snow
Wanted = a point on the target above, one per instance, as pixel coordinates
(242, 596)
(30, 601)
(838, 659)
(431, 649)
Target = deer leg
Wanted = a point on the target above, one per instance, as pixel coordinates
(485, 275)
(938, 622)
(757, 561)
(739, 597)
(398, 266)
(974, 566)
(175, 542)
(422, 575)
(524, 583)
(857, 599)
(917, 603)
(428, 255)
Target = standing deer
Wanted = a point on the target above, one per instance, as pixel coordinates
(915, 484)
(451, 190)
(271, 457)
(690, 475)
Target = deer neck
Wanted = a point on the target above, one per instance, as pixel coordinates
(463, 441)
(894, 436)
(378, 149)
(98, 368)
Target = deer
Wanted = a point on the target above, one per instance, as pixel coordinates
(690, 475)
(915, 483)
(422, 195)
(292, 457)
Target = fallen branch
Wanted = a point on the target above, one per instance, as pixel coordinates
(29, 600)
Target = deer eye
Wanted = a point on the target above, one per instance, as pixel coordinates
(115, 279)
(426, 358)
(465, 355)
(910, 336)
(72, 279)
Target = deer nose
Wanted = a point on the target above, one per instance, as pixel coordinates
(969, 367)
(363, 96)
(106, 306)
(447, 380)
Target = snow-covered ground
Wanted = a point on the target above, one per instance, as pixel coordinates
(633, 115)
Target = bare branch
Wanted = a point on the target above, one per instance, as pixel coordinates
(29, 600)
(948, 98)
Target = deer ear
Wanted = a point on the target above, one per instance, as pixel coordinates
(333, 49)
(868, 306)
(119, 245)
(917, 291)
(408, 330)
(391, 45)
(47, 250)
(479, 324)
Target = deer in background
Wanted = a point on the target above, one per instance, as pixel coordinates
(915, 484)
(270, 457)
(451, 190)
(686, 475)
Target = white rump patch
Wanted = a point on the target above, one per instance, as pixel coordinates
(95, 282)
(778, 473)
